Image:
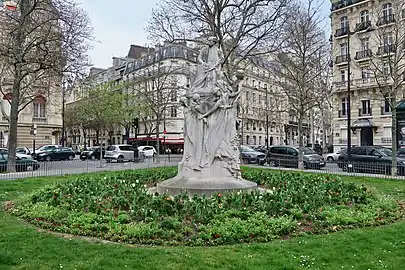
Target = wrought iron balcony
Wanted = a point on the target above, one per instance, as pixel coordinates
(363, 26)
(342, 59)
(386, 140)
(389, 48)
(368, 112)
(363, 54)
(342, 32)
(384, 111)
(387, 19)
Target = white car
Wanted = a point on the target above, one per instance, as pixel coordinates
(22, 156)
(332, 157)
(120, 153)
(148, 151)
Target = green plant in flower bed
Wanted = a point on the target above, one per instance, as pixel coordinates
(119, 208)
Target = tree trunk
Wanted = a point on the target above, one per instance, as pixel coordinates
(157, 140)
(300, 142)
(98, 136)
(394, 139)
(12, 129)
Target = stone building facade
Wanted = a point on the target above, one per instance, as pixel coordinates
(356, 30)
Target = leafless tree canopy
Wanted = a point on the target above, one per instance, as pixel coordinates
(243, 27)
(41, 42)
(301, 67)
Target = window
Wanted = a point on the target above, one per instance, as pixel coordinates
(173, 95)
(361, 151)
(124, 148)
(364, 16)
(365, 107)
(386, 69)
(247, 96)
(387, 10)
(344, 22)
(343, 49)
(254, 97)
(343, 75)
(343, 106)
(173, 112)
(387, 107)
(365, 73)
(39, 110)
(387, 39)
(253, 83)
(365, 43)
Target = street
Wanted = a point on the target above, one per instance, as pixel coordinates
(77, 166)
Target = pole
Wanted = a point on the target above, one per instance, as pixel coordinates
(63, 115)
(349, 138)
(267, 119)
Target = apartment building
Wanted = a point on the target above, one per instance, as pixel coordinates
(368, 31)
(165, 72)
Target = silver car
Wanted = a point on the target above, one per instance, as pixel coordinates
(120, 153)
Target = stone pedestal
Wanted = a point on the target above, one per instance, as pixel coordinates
(208, 181)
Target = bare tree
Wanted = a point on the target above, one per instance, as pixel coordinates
(41, 42)
(243, 28)
(387, 63)
(300, 68)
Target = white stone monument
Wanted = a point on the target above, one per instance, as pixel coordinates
(211, 151)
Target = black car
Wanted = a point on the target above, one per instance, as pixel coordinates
(250, 156)
(370, 159)
(21, 165)
(60, 153)
(287, 156)
(92, 153)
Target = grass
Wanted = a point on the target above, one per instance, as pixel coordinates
(22, 247)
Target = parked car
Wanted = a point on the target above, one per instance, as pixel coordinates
(120, 153)
(5, 150)
(259, 148)
(401, 152)
(92, 153)
(23, 150)
(287, 156)
(22, 164)
(58, 153)
(46, 148)
(148, 151)
(370, 159)
(251, 156)
(332, 157)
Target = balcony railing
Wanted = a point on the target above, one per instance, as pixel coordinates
(363, 54)
(342, 114)
(368, 112)
(344, 3)
(386, 19)
(384, 112)
(342, 31)
(389, 48)
(342, 59)
(386, 140)
(39, 119)
(363, 26)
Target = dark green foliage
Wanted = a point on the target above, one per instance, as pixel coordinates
(118, 207)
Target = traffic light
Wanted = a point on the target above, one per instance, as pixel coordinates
(33, 129)
(135, 123)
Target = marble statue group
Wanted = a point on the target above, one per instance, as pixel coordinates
(210, 160)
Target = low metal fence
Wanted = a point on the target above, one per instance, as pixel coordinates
(380, 169)
(76, 166)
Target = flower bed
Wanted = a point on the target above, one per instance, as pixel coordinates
(119, 208)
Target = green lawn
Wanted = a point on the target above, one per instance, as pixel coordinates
(22, 247)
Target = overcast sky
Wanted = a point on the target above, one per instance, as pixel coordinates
(119, 23)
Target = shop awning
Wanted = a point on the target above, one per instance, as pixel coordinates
(363, 123)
